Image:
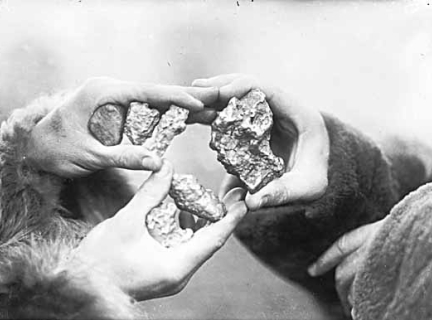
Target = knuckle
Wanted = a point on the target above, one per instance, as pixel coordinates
(91, 159)
(218, 243)
(122, 158)
(341, 244)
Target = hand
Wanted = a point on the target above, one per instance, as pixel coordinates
(347, 253)
(299, 136)
(62, 144)
(122, 248)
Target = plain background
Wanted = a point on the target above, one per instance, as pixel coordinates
(368, 62)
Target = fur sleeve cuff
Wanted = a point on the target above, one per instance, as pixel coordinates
(394, 281)
(24, 190)
(37, 283)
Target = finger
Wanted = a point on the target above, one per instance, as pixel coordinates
(164, 96)
(229, 182)
(158, 96)
(151, 193)
(344, 246)
(234, 196)
(344, 277)
(292, 186)
(238, 88)
(217, 81)
(206, 241)
(310, 152)
(207, 95)
(128, 157)
(206, 116)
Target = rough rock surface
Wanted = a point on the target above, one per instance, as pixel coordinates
(145, 126)
(171, 124)
(163, 225)
(106, 124)
(189, 195)
(241, 137)
(140, 122)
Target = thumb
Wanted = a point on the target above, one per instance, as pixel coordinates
(129, 157)
(292, 186)
(151, 193)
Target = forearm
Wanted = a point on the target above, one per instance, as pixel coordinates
(367, 178)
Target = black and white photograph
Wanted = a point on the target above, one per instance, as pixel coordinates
(216, 159)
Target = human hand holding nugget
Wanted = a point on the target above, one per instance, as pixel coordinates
(122, 248)
(298, 136)
(61, 142)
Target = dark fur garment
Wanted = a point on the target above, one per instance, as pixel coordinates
(42, 219)
(364, 184)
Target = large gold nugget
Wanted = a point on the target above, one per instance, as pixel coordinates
(241, 137)
(163, 225)
(140, 122)
(106, 124)
(189, 195)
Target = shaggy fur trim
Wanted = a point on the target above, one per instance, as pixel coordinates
(28, 197)
(37, 281)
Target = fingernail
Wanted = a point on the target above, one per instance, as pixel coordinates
(196, 82)
(254, 202)
(263, 201)
(312, 270)
(152, 160)
(198, 104)
(165, 168)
